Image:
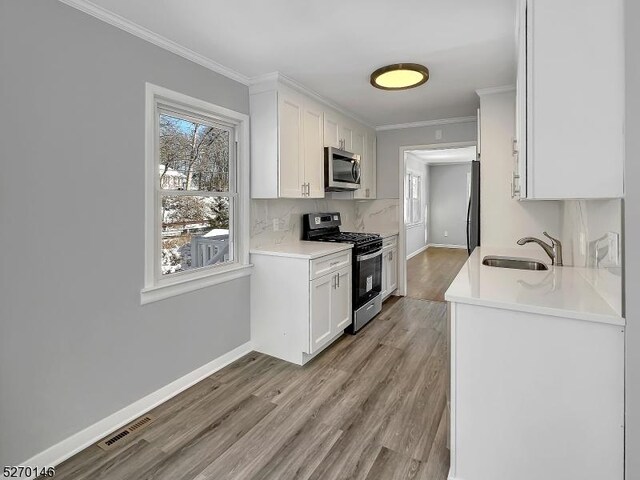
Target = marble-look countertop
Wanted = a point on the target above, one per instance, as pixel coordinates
(559, 291)
(386, 234)
(301, 249)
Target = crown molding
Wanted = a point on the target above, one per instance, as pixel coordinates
(269, 80)
(493, 90)
(427, 123)
(145, 34)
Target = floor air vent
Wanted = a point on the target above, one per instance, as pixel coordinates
(119, 437)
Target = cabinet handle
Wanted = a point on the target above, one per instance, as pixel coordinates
(333, 264)
(515, 185)
(308, 189)
(391, 255)
(338, 280)
(514, 146)
(367, 193)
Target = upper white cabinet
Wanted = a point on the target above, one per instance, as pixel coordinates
(338, 131)
(367, 166)
(289, 130)
(286, 145)
(570, 99)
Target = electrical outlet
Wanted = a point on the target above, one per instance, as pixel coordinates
(439, 136)
(276, 224)
(446, 233)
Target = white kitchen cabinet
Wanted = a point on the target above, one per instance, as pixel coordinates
(389, 266)
(535, 396)
(338, 131)
(299, 303)
(368, 180)
(330, 307)
(287, 158)
(570, 100)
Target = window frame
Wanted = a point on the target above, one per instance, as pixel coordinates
(409, 200)
(156, 286)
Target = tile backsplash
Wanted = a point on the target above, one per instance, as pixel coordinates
(280, 220)
(592, 237)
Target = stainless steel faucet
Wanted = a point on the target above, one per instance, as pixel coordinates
(554, 250)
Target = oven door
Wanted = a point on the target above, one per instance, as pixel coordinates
(367, 277)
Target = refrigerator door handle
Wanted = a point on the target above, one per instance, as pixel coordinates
(469, 226)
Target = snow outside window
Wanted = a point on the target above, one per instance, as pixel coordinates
(196, 194)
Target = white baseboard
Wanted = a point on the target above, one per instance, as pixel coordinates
(79, 441)
(417, 252)
(444, 245)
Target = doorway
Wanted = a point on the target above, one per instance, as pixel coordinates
(436, 188)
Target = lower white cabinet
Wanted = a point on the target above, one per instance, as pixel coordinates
(299, 305)
(389, 266)
(330, 307)
(535, 396)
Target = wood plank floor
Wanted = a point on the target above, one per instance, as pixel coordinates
(372, 406)
(430, 273)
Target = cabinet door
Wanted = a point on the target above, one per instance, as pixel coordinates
(341, 301)
(392, 271)
(385, 274)
(519, 178)
(361, 147)
(345, 133)
(313, 150)
(575, 137)
(321, 311)
(291, 172)
(331, 130)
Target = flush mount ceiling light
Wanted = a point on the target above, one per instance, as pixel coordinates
(400, 76)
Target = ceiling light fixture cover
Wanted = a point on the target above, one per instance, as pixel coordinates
(400, 76)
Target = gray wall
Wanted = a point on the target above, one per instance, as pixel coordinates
(416, 234)
(632, 239)
(390, 141)
(75, 344)
(448, 204)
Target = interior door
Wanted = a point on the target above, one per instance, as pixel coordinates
(291, 146)
(321, 311)
(313, 150)
(341, 301)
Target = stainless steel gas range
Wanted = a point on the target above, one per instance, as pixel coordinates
(367, 263)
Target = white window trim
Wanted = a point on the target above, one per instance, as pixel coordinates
(422, 207)
(159, 289)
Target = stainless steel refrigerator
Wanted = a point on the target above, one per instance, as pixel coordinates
(473, 209)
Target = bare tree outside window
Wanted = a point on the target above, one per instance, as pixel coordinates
(196, 190)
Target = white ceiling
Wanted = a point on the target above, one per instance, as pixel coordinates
(332, 46)
(449, 155)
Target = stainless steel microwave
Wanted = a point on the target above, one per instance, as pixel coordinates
(341, 170)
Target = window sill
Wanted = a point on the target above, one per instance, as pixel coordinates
(225, 274)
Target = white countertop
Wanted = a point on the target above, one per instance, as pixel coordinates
(301, 249)
(386, 234)
(559, 291)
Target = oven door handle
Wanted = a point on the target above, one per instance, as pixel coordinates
(369, 256)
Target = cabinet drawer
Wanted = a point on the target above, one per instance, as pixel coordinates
(331, 263)
(390, 242)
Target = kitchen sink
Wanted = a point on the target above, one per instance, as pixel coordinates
(513, 262)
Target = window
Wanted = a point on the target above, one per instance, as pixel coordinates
(412, 199)
(196, 194)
